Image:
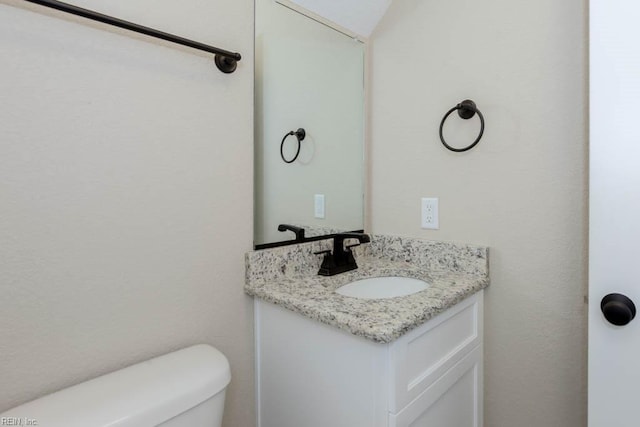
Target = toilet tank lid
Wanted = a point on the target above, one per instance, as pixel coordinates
(145, 394)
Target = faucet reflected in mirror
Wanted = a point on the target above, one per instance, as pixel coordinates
(299, 231)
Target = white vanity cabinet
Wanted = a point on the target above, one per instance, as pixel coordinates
(314, 375)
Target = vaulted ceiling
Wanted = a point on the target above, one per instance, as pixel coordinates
(358, 16)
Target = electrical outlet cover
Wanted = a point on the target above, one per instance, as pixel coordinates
(430, 220)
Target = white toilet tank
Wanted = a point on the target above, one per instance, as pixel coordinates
(185, 388)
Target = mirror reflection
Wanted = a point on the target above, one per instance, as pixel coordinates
(309, 122)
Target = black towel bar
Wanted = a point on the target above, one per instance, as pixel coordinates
(225, 61)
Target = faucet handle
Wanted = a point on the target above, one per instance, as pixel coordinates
(338, 241)
(325, 252)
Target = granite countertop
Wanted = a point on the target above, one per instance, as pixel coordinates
(288, 277)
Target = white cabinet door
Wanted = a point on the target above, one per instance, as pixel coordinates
(454, 400)
(423, 355)
(315, 375)
(614, 227)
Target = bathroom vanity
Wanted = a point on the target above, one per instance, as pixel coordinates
(326, 359)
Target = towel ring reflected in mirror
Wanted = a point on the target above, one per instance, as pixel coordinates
(300, 135)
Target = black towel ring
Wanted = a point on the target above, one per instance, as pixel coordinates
(300, 134)
(466, 110)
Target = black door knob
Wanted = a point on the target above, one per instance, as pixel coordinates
(618, 309)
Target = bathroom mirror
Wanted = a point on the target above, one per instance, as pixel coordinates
(308, 76)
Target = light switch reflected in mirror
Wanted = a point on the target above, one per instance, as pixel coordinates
(308, 76)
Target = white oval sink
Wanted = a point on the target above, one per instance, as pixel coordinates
(382, 287)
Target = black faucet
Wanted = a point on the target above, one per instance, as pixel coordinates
(299, 231)
(341, 259)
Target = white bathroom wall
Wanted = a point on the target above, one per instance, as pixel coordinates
(521, 191)
(126, 188)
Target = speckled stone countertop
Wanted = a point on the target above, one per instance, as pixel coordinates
(287, 276)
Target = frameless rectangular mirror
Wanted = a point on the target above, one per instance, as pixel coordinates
(308, 76)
